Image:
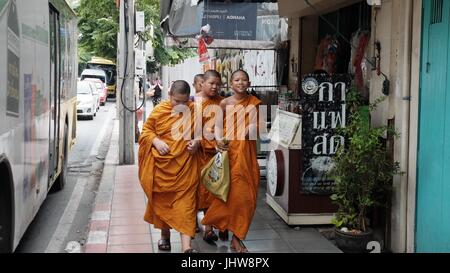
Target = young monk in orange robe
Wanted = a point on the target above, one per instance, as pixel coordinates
(237, 213)
(198, 81)
(210, 101)
(168, 168)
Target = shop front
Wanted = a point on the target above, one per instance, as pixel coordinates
(328, 55)
(408, 46)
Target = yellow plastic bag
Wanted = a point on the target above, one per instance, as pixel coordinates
(215, 176)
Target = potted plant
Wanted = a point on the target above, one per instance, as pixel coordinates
(363, 173)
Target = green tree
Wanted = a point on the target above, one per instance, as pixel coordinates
(162, 55)
(98, 24)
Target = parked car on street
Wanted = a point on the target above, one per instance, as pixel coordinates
(86, 101)
(101, 88)
(94, 73)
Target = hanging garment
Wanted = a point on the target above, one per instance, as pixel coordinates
(322, 51)
(360, 53)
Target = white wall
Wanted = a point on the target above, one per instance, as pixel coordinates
(183, 71)
(400, 60)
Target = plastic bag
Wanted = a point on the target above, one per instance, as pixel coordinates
(215, 176)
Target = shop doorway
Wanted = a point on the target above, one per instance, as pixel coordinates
(433, 172)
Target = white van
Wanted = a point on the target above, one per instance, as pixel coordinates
(94, 73)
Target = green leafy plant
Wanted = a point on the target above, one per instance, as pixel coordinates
(98, 24)
(363, 170)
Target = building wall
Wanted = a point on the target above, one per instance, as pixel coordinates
(183, 71)
(397, 26)
(414, 124)
(309, 41)
(294, 61)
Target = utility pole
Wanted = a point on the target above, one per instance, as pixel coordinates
(144, 86)
(125, 88)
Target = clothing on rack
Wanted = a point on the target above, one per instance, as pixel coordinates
(359, 67)
(359, 61)
(327, 54)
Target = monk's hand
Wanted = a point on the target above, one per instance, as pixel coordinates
(193, 145)
(222, 145)
(161, 146)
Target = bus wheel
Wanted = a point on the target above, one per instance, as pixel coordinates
(61, 180)
(5, 212)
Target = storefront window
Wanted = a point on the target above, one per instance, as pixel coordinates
(338, 43)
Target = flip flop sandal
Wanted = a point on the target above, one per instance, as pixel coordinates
(243, 248)
(210, 237)
(191, 250)
(164, 245)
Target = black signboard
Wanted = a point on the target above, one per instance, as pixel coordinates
(235, 21)
(323, 105)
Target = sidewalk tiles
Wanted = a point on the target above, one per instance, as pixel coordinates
(118, 226)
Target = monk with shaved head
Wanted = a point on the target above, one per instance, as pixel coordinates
(169, 169)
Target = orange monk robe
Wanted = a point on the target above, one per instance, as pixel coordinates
(237, 213)
(170, 181)
(208, 148)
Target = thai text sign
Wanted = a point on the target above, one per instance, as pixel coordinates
(323, 102)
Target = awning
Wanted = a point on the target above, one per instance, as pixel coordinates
(251, 24)
(299, 8)
(229, 44)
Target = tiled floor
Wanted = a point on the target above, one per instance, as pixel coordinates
(126, 230)
(268, 233)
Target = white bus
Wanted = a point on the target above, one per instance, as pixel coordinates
(38, 77)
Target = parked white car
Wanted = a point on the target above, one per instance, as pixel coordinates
(94, 73)
(86, 101)
(96, 95)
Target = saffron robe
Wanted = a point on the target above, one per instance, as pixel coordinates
(237, 213)
(208, 146)
(170, 181)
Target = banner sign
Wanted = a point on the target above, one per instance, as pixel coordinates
(185, 18)
(323, 102)
(235, 21)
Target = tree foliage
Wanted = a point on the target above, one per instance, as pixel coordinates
(162, 55)
(98, 23)
(363, 169)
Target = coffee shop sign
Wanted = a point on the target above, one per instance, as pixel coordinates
(329, 117)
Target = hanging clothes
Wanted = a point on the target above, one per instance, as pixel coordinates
(358, 64)
(327, 54)
(354, 42)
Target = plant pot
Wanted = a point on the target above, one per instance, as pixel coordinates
(353, 243)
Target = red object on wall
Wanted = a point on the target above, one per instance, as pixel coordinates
(202, 51)
(208, 39)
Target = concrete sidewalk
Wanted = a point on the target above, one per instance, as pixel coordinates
(117, 223)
